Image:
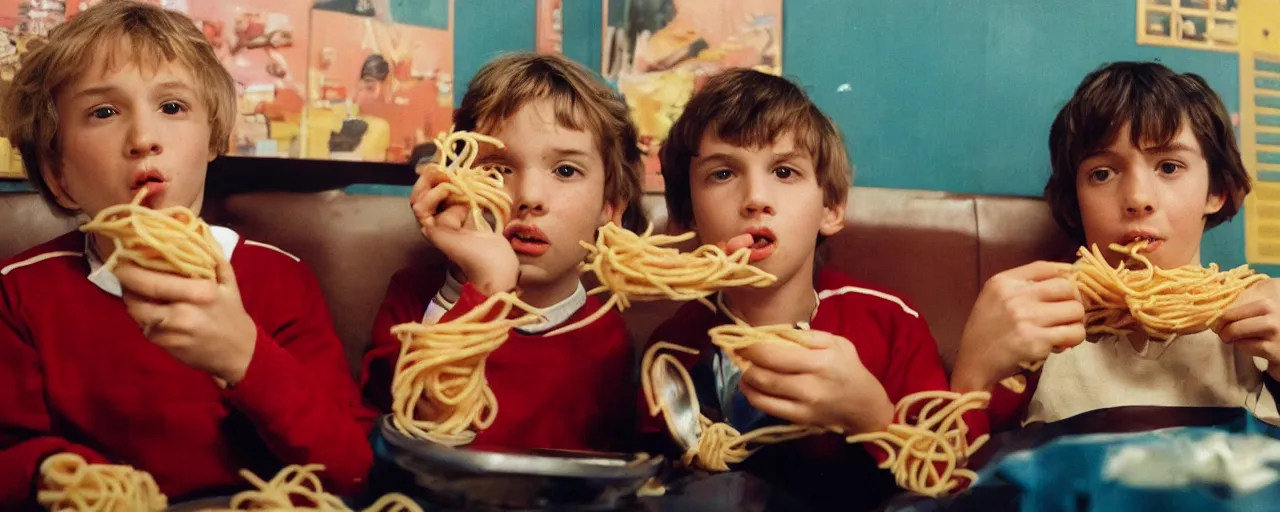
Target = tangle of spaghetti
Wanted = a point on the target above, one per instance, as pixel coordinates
(1163, 303)
(1137, 295)
(439, 392)
(298, 488)
(921, 439)
(172, 240)
(480, 188)
(732, 338)
(69, 483)
(641, 267)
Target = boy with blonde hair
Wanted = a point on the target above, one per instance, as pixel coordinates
(241, 372)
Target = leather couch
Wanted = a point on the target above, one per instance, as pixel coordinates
(935, 249)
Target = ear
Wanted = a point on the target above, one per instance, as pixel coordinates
(58, 186)
(611, 213)
(832, 219)
(1214, 203)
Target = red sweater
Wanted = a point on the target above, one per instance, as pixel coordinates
(565, 392)
(76, 374)
(894, 344)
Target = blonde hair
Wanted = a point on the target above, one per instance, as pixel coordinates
(29, 114)
(580, 102)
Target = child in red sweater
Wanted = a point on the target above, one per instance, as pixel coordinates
(571, 165)
(244, 372)
(752, 162)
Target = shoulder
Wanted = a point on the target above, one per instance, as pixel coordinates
(687, 326)
(64, 252)
(848, 294)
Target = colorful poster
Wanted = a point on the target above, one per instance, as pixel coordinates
(1197, 24)
(550, 28)
(377, 90)
(262, 43)
(659, 52)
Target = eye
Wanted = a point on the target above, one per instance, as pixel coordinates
(172, 108)
(103, 112)
(785, 173)
(1169, 167)
(1100, 175)
(565, 171)
(721, 175)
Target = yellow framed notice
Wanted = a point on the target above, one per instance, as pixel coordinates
(1194, 24)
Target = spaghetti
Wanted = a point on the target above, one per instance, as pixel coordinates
(69, 483)
(1163, 303)
(732, 338)
(642, 267)
(719, 444)
(439, 392)
(921, 439)
(480, 188)
(298, 488)
(1138, 296)
(172, 240)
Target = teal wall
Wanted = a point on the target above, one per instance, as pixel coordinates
(953, 95)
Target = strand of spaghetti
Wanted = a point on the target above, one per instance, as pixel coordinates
(68, 482)
(298, 488)
(479, 188)
(734, 338)
(171, 240)
(641, 267)
(439, 392)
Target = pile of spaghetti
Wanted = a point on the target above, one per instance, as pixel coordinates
(480, 188)
(1163, 303)
(927, 443)
(439, 392)
(172, 240)
(69, 483)
(643, 267)
(298, 488)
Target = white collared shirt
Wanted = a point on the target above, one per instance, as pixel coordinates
(555, 315)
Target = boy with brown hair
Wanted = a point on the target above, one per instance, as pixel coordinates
(571, 165)
(1140, 152)
(241, 372)
(752, 162)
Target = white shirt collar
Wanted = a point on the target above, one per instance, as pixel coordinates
(107, 281)
(555, 315)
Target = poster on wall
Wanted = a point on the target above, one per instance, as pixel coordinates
(262, 43)
(659, 52)
(550, 27)
(24, 26)
(1196, 24)
(381, 79)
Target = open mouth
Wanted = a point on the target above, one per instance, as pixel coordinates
(763, 242)
(1152, 241)
(152, 181)
(527, 239)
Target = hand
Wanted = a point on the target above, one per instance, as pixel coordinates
(1252, 323)
(1021, 316)
(198, 321)
(486, 259)
(823, 384)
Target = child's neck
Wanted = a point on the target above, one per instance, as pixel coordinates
(789, 302)
(549, 294)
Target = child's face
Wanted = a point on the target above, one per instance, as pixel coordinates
(123, 129)
(555, 177)
(770, 192)
(1160, 193)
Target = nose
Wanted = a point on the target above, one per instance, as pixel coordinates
(1138, 196)
(757, 195)
(143, 140)
(528, 192)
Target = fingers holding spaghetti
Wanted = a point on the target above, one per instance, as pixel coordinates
(443, 365)
(480, 189)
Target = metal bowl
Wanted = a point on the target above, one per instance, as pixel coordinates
(471, 479)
